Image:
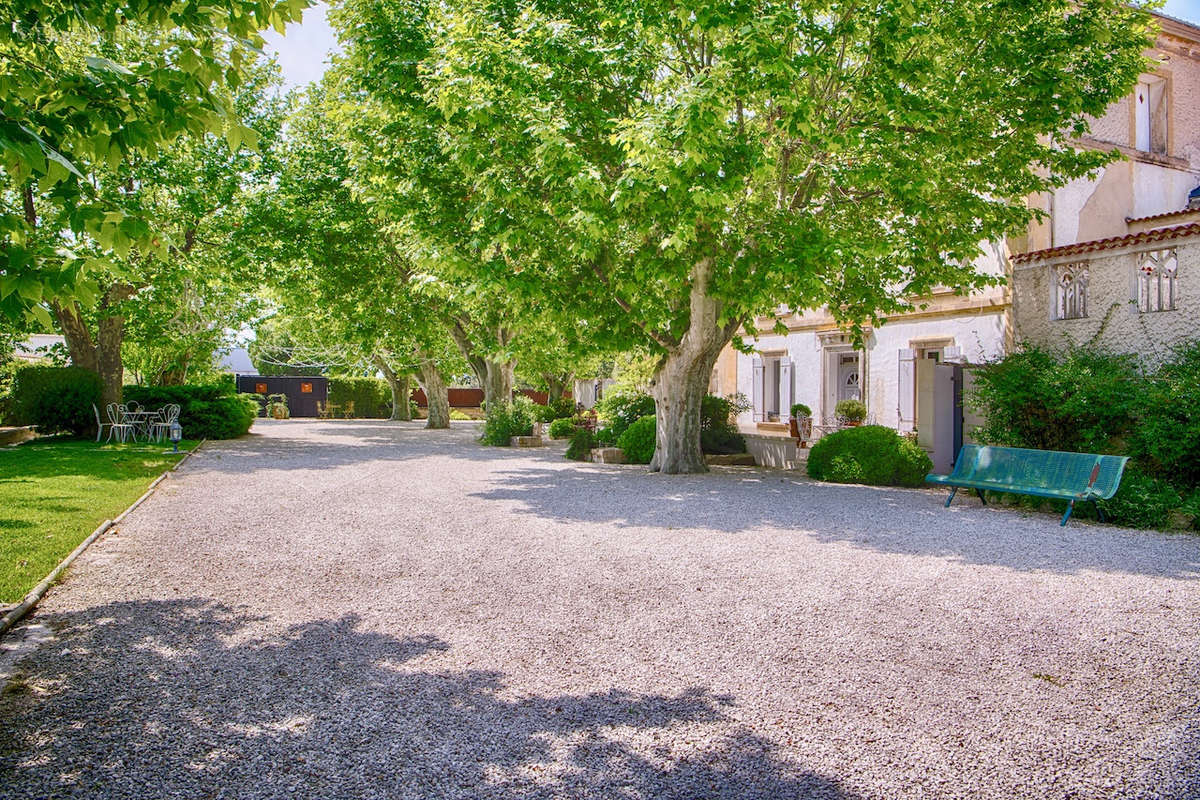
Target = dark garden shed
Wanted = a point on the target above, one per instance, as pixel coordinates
(303, 392)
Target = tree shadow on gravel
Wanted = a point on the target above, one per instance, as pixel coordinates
(888, 520)
(165, 699)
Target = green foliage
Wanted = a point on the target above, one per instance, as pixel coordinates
(562, 428)
(1166, 438)
(718, 435)
(543, 413)
(1142, 501)
(8, 370)
(277, 407)
(560, 407)
(851, 410)
(871, 454)
(622, 409)
(799, 410)
(639, 440)
(1084, 401)
(56, 398)
(372, 397)
(206, 411)
(582, 442)
(455, 414)
(606, 437)
(507, 420)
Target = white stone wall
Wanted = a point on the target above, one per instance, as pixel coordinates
(1113, 321)
(980, 335)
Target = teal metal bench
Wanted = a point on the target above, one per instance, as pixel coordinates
(1041, 473)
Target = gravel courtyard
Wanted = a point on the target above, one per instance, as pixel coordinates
(368, 609)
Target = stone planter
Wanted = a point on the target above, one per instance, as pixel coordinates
(800, 429)
(525, 441)
(608, 455)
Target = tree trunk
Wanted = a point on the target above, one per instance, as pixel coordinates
(110, 334)
(556, 385)
(498, 383)
(681, 380)
(103, 354)
(176, 374)
(436, 393)
(400, 392)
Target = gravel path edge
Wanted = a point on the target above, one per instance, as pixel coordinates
(35, 594)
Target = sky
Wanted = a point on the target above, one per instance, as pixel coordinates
(304, 52)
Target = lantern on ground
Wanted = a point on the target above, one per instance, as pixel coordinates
(175, 434)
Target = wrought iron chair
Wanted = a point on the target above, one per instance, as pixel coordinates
(162, 426)
(100, 424)
(117, 424)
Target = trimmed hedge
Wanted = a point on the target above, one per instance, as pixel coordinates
(562, 428)
(206, 411)
(372, 397)
(56, 399)
(639, 441)
(869, 454)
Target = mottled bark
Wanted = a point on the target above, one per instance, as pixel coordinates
(436, 393)
(557, 385)
(176, 374)
(495, 377)
(102, 354)
(682, 379)
(400, 389)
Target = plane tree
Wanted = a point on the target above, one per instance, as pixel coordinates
(667, 172)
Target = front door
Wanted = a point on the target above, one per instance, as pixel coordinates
(849, 384)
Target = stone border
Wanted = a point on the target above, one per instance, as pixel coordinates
(35, 595)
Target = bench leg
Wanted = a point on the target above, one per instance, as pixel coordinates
(953, 491)
(1099, 511)
(982, 499)
(1067, 515)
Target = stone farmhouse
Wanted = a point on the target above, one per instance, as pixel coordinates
(1110, 264)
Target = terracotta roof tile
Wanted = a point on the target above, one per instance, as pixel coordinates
(1111, 243)
(1183, 212)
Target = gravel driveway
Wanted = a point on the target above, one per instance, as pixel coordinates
(368, 609)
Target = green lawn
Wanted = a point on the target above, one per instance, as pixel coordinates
(54, 492)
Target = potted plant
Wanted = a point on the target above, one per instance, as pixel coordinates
(850, 413)
(801, 423)
(277, 407)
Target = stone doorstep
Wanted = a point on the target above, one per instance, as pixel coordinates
(525, 441)
(733, 460)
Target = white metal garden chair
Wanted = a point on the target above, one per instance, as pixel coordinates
(162, 426)
(117, 424)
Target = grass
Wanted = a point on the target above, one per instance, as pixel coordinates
(54, 492)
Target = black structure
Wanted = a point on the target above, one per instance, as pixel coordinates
(303, 392)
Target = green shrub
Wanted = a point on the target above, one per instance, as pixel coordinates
(582, 442)
(56, 398)
(277, 407)
(870, 454)
(224, 418)
(372, 397)
(1165, 440)
(560, 407)
(1083, 401)
(455, 414)
(1142, 501)
(562, 428)
(606, 437)
(8, 370)
(717, 434)
(800, 410)
(506, 420)
(851, 410)
(621, 410)
(543, 413)
(206, 411)
(638, 441)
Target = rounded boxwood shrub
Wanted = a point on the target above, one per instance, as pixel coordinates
(638, 441)
(623, 409)
(562, 428)
(206, 411)
(56, 398)
(871, 454)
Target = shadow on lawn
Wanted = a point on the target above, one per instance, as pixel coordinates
(175, 699)
(878, 518)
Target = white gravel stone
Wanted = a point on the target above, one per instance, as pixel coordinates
(366, 609)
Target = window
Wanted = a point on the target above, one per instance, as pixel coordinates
(1156, 280)
(1150, 116)
(260, 388)
(306, 388)
(1071, 292)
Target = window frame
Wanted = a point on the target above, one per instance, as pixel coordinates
(1071, 291)
(1155, 271)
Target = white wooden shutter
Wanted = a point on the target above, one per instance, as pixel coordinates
(785, 387)
(906, 387)
(952, 355)
(757, 393)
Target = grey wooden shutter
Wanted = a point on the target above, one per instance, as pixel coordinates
(906, 387)
(757, 392)
(785, 387)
